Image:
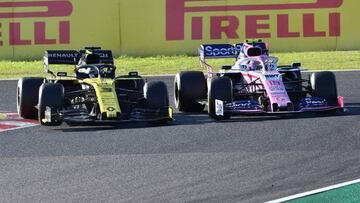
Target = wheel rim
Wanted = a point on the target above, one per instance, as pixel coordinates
(18, 100)
(176, 94)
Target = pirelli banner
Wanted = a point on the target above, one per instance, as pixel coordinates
(149, 27)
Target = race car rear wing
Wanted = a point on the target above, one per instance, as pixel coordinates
(208, 51)
(213, 51)
(69, 57)
(72, 57)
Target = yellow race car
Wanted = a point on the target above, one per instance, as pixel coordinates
(92, 94)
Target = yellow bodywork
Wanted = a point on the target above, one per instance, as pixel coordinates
(106, 95)
(170, 112)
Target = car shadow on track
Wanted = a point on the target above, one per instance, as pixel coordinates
(179, 119)
(202, 118)
(104, 127)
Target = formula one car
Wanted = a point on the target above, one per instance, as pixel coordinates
(93, 94)
(253, 85)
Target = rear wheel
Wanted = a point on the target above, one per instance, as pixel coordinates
(27, 97)
(189, 86)
(220, 89)
(50, 95)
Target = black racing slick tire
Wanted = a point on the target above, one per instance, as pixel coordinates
(323, 85)
(27, 97)
(189, 86)
(220, 88)
(156, 94)
(50, 95)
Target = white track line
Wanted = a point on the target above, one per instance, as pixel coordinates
(18, 128)
(350, 70)
(325, 189)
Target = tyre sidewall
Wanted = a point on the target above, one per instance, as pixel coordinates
(50, 95)
(156, 94)
(323, 85)
(220, 88)
(189, 86)
(27, 94)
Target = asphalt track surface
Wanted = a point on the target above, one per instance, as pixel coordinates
(246, 159)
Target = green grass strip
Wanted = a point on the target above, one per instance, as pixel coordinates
(2, 116)
(156, 65)
(347, 194)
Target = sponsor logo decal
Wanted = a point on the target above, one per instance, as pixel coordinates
(244, 105)
(312, 102)
(42, 13)
(63, 55)
(219, 50)
(219, 107)
(272, 76)
(106, 89)
(253, 25)
(111, 109)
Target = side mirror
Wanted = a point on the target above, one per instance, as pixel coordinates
(296, 65)
(133, 74)
(226, 67)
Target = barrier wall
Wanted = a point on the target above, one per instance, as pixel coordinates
(144, 27)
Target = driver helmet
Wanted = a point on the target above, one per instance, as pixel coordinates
(88, 71)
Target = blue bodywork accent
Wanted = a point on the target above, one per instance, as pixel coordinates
(243, 105)
(217, 51)
(312, 102)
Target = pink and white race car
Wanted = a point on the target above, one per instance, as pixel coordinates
(255, 84)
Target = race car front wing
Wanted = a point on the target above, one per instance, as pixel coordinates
(249, 107)
(137, 114)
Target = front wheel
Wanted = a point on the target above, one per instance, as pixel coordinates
(220, 89)
(323, 85)
(156, 95)
(50, 95)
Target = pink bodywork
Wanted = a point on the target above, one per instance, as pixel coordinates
(269, 77)
(274, 87)
(260, 72)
